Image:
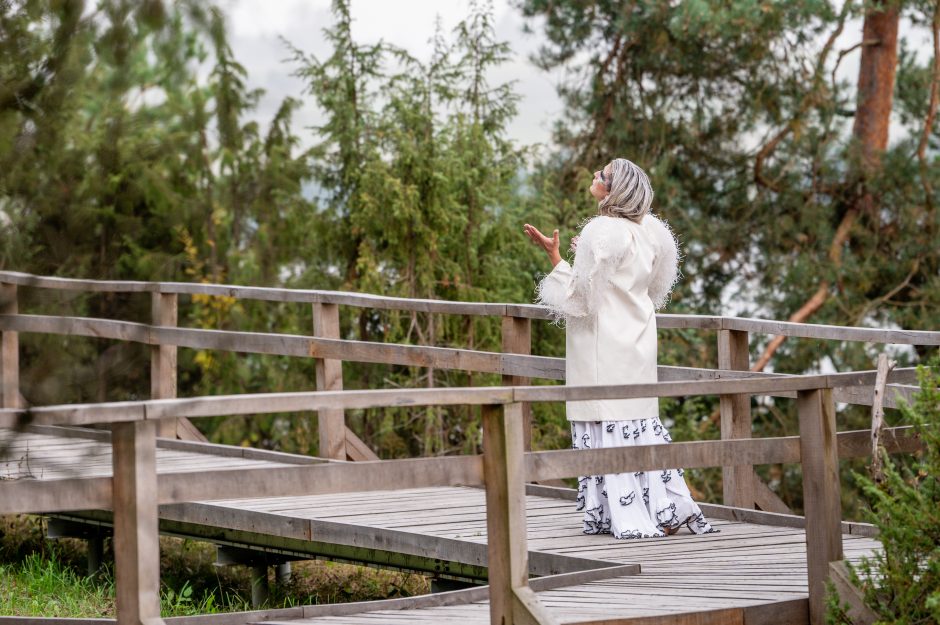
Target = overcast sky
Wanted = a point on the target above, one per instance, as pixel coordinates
(257, 25)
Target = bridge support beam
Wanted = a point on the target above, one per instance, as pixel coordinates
(260, 591)
(821, 494)
(93, 535)
(259, 561)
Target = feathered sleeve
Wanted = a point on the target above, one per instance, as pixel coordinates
(573, 291)
(666, 257)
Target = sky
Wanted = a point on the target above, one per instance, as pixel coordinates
(257, 26)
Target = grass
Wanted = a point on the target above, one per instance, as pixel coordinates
(41, 577)
(40, 586)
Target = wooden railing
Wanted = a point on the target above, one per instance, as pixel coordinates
(504, 467)
(741, 486)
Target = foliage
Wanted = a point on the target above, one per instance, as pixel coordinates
(743, 118)
(126, 154)
(418, 179)
(128, 150)
(118, 161)
(43, 586)
(902, 581)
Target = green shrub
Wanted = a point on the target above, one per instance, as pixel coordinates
(901, 583)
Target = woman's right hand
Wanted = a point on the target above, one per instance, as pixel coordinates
(550, 245)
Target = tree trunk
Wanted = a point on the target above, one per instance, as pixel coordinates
(876, 72)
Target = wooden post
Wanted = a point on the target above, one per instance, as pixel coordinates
(136, 539)
(95, 554)
(331, 424)
(821, 493)
(511, 599)
(504, 474)
(517, 339)
(164, 309)
(737, 481)
(282, 574)
(9, 351)
(878, 415)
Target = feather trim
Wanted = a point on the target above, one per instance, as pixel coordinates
(576, 291)
(666, 259)
(552, 289)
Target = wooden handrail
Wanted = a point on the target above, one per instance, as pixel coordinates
(526, 311)
(543, 367)
(266, 403)
(64, 494)
(290, 345)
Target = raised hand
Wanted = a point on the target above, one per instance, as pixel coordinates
(550, 245)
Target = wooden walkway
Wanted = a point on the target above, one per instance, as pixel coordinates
(748, 572)
(744, 566)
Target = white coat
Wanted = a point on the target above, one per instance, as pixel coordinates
(623, 271)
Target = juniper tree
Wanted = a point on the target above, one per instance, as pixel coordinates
(417, 175)
(901, 582)
(117, 161)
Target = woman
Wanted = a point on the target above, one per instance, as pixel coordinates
(625, 265)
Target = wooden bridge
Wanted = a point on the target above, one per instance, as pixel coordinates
(431, 514)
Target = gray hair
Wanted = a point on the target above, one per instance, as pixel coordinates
(631, 193)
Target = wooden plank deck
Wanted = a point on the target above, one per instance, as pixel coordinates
(38, 455)
(744, 566)
(758, 568)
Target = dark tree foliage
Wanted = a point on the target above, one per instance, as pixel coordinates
(117, 161)
(128, 151)
(774, 168)
(418, 178)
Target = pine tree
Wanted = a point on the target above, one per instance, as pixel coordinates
(776, 172)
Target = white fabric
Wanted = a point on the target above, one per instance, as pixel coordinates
(633, 505)
(622, 272)
(605, 300)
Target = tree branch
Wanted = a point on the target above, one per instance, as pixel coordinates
(818, 298)
(931, 111)
(887, 296)
(847, 51)
(809, 99)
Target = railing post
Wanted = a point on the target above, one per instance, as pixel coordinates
(331, 424)
(517, 339)
(136, 538)
(9, 351)
(737, 481)
(819, 456)
(511, 599)
(504, 474)
(164, 312)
